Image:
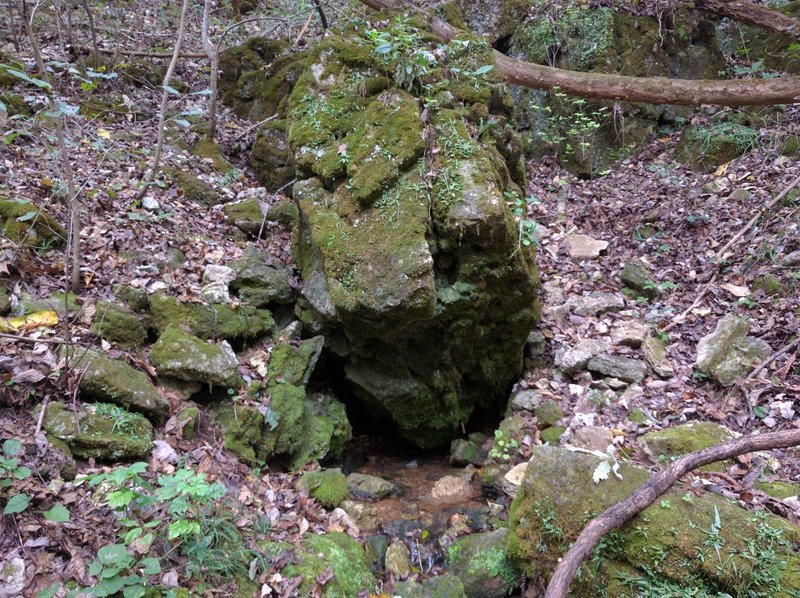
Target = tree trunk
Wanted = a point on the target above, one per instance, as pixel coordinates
(650, 90)
(212, 51)
(753, 14)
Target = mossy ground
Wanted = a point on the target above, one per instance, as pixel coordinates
(22, 222)
(328, 486)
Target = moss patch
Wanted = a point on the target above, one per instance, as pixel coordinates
(116, 323)
(327, 486)
(22, 222)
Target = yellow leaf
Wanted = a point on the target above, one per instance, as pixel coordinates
(47, 183)
(34, 320)
(103, 133)
(722, 169)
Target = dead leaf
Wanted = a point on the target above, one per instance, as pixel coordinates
(735, 290)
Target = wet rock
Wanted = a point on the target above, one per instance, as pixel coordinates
(790, 260)
(597, 303)
(376, 546)
(262, 279)
(463, 452)
(636, 276)
(593, 438)
(117, 323)
(451, 488)
(584, 247)
(294, 362)
(728, 353)
(624, 368)
(628, 334)
(186, 357)
(491, 478)
(114, 381)
(479, 561)
(364, 515)
(654, 351)
(326, 486)
(576, 358)
(674, 442)
(548, 413)
(105, 432)
(559, 484)
(370, 487)
(398, 560)
(440, 586)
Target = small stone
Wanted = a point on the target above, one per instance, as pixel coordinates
(628, 334)
(478, 438)
(790, 260)
(12, 576)
(636, 275)
(370, 487)
(624, 368)
(584, 247)
(150, 203)
(326, 486)
(526, 400)
(548, 413)
(597, 303)
(451, 488)
(376, 546)
(727, 353)
(593, 438)
(717, 185)
(741, 195)
(637, 416)
(655, 355)
(215, 273)
(291, 331)
(398, 561)
(575, 359)
(616, 383)
(364, 515)
(552, 435)
(632, 394)
(536, 345)
(216, 293)
(465, 452)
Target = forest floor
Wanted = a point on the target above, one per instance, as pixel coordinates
(649, 206)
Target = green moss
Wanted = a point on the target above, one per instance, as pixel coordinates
(327, 486)
(206, 148)
(671, 443)
(552, 435)
(334, 551)
(324, 434)
(770, 284)
(548, 413)
(479, 561)
(210, 321)
(285, 437)
(57, 302)
(292, 363)
(22, 222)
(242, 427)
(246, 215)
(706, 148)
(271, 157)
(5, 302)
(186, 422)
(194, 189)
(778, 489)
(116, 323)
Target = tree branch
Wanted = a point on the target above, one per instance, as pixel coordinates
(753, 14)
(649, 90)
(646, 494)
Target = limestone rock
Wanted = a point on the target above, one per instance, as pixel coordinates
(790, 260)
(451, 488)
(370, 487)
(593, 438)
(325, 430)
(655, 355)
(624, 368)
(294, 362)
(674, 442)
(106, 432)
(728, 353)
(628, 333)
(576, 358)
(364, 515)
(398, 560)
(558, 484)
(552, 435)
(247, 215)
(194, 188)
(217, 273)
(262, 279)
(636, 275)
(119, 324)
(216, 293)
(584, 247)
(479, 561)
(114, 381)
(597, 303)
(513, 478)
(12, 576)
(548, 413)
(186, 357)
(526, 400)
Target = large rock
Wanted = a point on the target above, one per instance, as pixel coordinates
(370, 487)
(671, 443)
(99, 430)
(183, 356)
(114, 322)
(424, 292)
(616, 366)
(262, 279)
(705, 544)
(294, 362)
(22, 222)
(728, 353)
(479, 561)
(114, 381)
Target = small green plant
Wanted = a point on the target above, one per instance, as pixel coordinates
(570, 124)
(10, 470)
(504, 446)
(519, 208)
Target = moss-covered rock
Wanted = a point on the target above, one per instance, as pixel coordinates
(440, 586)
(143, 72)
(334, 552)
(5, 301)
(58, 302)
(114, 322)
(327, 486)
(271, 158)
(114, 381)
(22, 222)
(706, 148)
(670, 443)
(294, 363)
(194, 188)
(242, 427)
(186, 422)
(135, 298)
(186, 357)
(674, 543)
(324, 433)
(262, 279)
(463, 452)
(419, 284)
(283, 432)
(210, 321)
(210, 150)
(770, 284)
(728, 353)
(479, 561)
(246, 215)
(99, 430)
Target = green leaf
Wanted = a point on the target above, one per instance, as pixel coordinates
(760, 411)
(136, 591)
(171, 90)
(17, 504)
(483, 70)
(58, 514)
(182, 527)
(11, 447)
(21, 75)
(113, 554)
(29, 216)
(48, 592)
(150, 566)
(132, 535)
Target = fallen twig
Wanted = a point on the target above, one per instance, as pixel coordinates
(27, 339)
(255, 126)
(679, 319)
(646, 494)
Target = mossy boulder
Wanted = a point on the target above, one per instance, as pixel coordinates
(728, 353)
(420, 285)
(143, 72)
(194, 188)
(706, 543)
(22, 222)
(180, 355)
(58, 302)
(242, 427)
(246, 215)
(479, 561)
(334, 553)
(114, 381)
(262, 279)
(324, 433)
(99, 430)
(670, 443)
(271, 158)
(210, 150)
(440, 586)
(135, 298)
(294, 362)
(706, 148)
(210, 321)
(117, 323)
(327, 486)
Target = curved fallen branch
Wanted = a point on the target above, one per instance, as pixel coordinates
(753, 14)
(649, 90)
(646, 494)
